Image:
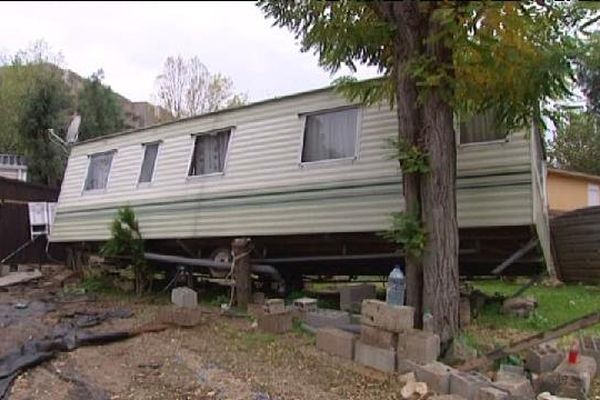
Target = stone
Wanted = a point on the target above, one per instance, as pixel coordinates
(467, 384)
(275, 323)
(590, 346)
(4, 269)
(274, 306)
(305, 304)
(258, 298)
(491, 393)
(412, 389)
(436, 375)
(419, 346)
(184, 297)
(378, 337)
(374, 357)
(325, 317)
(352, 296)
(464, 312)
(519, 306)
(337, 342)
(544, 358)
(390, 318)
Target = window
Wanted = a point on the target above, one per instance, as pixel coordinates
(210, 151)
(149, 162)
(481, 128)
(593, 195)
(98, 170)
(330, 135)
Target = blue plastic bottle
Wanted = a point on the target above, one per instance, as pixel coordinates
(396, 287)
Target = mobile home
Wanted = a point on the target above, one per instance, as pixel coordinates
(308, 177)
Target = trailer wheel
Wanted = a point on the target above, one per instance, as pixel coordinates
(220, 254)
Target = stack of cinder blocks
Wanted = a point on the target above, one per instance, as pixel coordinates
(275, 318)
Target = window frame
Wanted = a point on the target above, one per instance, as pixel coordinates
(193, 137)
(507, 138)
(139, 184)
(596, 188)
(87, 171)
(343, 160)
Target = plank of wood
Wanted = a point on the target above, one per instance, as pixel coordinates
(19, 277)
(515, 256)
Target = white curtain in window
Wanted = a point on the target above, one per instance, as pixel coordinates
(98, 171)
(330, 135)
(481, 128)
(210, 151)
(150, 153)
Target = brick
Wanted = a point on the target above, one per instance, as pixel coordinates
(378, 337)
(419, 346)
(390, 318)
(337, 342)
(323, 317)
(590, 346)
(305, 304)
(352, 296)
(184, 297)
(374, 357)
(491, 393)
(436, 375)
(274, 306)
(275, 323)
(543, 359)
(466, 384)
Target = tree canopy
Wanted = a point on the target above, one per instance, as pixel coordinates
(576, 144)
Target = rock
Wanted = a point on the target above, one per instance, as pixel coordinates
(408, 377)
(459, 352)
(413, 388)
(519, 306)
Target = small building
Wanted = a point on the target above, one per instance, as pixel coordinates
(570, 190)
(13, 166)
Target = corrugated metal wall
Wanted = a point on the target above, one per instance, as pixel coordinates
(264, 190)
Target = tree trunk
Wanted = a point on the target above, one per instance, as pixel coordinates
(241, 275)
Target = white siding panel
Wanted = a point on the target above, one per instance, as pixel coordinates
(265, 191)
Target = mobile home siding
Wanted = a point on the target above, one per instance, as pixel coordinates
(265, 191)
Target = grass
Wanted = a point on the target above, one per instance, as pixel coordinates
(555, 306)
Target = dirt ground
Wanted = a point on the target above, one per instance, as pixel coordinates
(222, 358)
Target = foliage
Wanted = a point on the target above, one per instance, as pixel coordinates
(407, 231)
(127, 241)
(576, 144)
(99, 108)
(412, 159)
(588, 72)
(186, 88)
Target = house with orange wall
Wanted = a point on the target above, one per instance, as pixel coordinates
(569, 190)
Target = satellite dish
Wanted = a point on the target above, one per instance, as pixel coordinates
(73, 129)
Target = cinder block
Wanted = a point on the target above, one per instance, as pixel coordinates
(516, 386)
(374, 357)
(466, 384)
(419, 346)
(274, 306)
(184, 297)
(351, 296)
(378, 337)
(336, 341)
(305, 304)
(590, 346)
(24, 268)
(436, 375)
(543, 358)
(390, 318)
(323, 317)
(275, 323)
(575, 379)
(181, 316)
(4, 269)
(507, 372)
(491, 393)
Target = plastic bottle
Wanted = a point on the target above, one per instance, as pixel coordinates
(396, 287)
(428, 322)
(574, 353)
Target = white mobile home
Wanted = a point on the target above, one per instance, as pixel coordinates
(303, 175)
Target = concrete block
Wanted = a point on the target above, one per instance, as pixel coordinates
(323, 317)
(374, 357)
(467, 384)
(184, 297)
(258, 298)
(419, 346)
(378, 337)
(390, 318)
(590, 346)
(543, 358)
(181, 316)
(507, 372)
(491, 393)
(464, 312)
(305, 304)
(275, 323)
(352, 296)
(574, 380)
(516, 387)
(274, 306)
(4, 269)
(436, 375)
(337, 342)
(404, 365)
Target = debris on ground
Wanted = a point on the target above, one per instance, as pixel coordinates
(14, 278)
(519, 306)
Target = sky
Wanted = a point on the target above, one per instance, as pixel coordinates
(131, 40)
